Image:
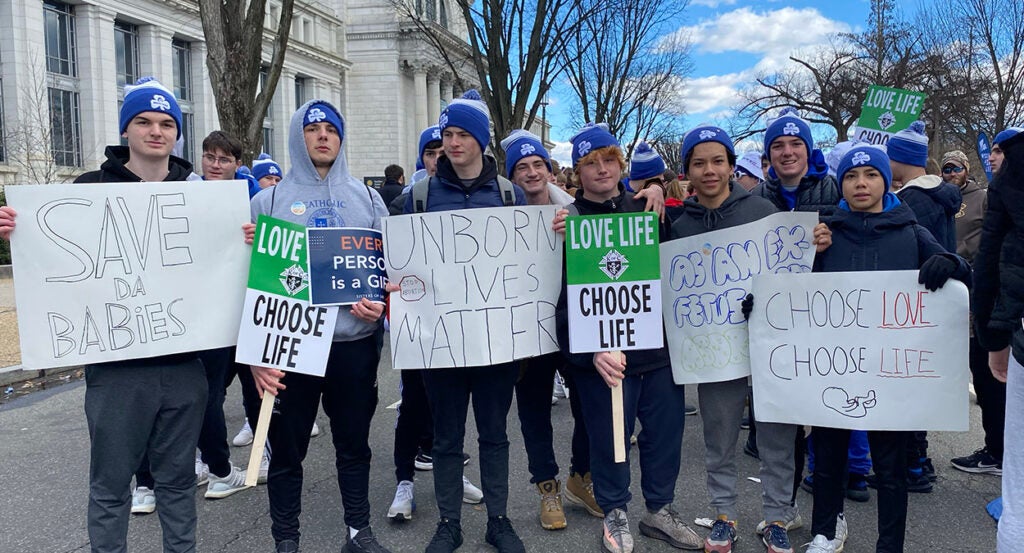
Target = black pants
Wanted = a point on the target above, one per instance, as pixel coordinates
(830, 478)
(450, 391)
(414, 428)
(348, 391)
(991, 399)
(533, 399)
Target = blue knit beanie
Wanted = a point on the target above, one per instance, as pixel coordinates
(470, 114)
(1006, 134)
(705, 133)
(264, 165)
(318, 112)
(646, 163)
(909, 146)
(865, 154)
(788, 123)
(591, 137)
(147, 94)
(520, 144)
(428, 135)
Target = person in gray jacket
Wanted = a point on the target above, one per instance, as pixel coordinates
(319, 191)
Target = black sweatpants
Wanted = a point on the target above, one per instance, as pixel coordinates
(414, 428)
(991, 399)
(348, 391)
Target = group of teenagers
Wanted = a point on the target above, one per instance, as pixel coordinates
(151, 410)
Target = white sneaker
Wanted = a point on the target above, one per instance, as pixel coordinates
(470, 493)
(842, 531)
(560, 390)
(143, 501)
(820, 544)
(264, 468)
(315, 431)
(220, 487)
(403, 505)
(202, 473)
(244, 436)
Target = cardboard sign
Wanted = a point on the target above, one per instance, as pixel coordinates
(345, 265)
(280, 328)
(886, 111)
(107, 272)
(614, 290)
(479, 286)
(860, 350)
(704, 279)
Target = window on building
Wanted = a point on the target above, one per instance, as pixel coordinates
(268, 141)
(300, 91)
(59, 28)
(307, 31)
(65, 128)
(431, 10)
(126, 53)
(3, 132)
(442, 13)
(188, 135)
(182, 52)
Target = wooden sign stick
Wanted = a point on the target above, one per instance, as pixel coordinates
(618, 419)
(259, 440)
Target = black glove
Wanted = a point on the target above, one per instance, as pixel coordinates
(936, 271)
(747, 306)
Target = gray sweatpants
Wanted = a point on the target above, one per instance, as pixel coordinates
(133, 410)
(721, 408)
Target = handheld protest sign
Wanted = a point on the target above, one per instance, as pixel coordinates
(614, 291)
(704, 279)
(886, 111)
(478, 286)
(116, 271)
(345, 265)
(860, 350)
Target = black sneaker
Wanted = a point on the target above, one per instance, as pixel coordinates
(423, 461)
(287, 546)
(928, 469)
(857, 488)
(917, 482)
(447, 538)
(364, 542)
(750, 448)
(502, 536)
(807, 484)
(979, 462)
(690, 409)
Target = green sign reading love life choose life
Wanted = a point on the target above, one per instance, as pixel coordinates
(886, 111)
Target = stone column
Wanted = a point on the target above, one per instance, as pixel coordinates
(433, 99)
(98, 96)
(155, 55)
(420, 93)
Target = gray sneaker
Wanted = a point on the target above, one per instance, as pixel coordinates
(221, 487)
(666, 525)
(617, 538)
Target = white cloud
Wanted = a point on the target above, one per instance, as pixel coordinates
(712, 3)
(713, 93)
(562, 153)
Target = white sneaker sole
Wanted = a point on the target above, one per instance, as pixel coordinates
(144, 509)
(221, 494)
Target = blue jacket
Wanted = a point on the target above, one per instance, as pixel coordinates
(452, 194)
(935, 204)
(887, 241)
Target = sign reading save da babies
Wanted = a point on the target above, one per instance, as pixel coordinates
(614, 288)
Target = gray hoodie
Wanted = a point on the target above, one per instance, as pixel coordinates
(337, 201)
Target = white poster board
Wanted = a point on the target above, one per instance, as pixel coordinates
(106, 272)
(704, 280)
(479, 286)
(860, 350)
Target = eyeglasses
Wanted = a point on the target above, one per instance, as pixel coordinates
(214, 160)
(949, 169)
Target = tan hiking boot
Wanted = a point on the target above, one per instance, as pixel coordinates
(552, 517)
(579, 489)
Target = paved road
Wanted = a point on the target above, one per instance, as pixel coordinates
(44, 476)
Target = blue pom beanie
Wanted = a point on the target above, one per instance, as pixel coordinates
(520, 144)
(428, 135)
(788, 123)
(646, 163)
(705, 133)
(318, 112)
(470, 114)
(1006, 134)
(861, 155)
(263, 166)
(147, 94)
(909, 146)
(591, 137)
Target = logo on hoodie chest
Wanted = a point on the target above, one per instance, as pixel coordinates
(325, 217)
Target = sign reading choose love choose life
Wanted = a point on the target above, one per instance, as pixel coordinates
(860, 350)
(280, 328)
(614, 287)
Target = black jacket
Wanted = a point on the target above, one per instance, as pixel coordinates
(813, 194)
(113, 170)
(640, 361)
(390, 190)
(935, 204)
(999, 286)
(739, 208)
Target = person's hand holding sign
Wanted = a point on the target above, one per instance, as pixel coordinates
(267, 380)
(612, 367)
(249, 231)
(558, 223)
(367, 310)
(7, 215)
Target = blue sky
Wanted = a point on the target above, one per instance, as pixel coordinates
(735, 39)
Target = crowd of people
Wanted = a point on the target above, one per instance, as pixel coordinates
(879, 210)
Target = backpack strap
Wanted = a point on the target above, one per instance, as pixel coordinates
(507, 191)
(572, 209)
(419, 192)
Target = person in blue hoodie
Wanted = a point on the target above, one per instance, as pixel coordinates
(319, 191)
(872, 230)
(798, 178)
(719, 203)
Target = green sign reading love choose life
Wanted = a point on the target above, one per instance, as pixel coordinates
(886, 111)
